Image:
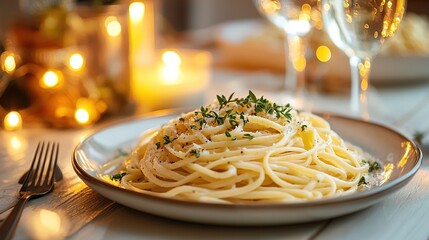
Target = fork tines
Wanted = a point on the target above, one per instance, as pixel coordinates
(40, 174)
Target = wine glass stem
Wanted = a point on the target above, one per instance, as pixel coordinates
(360, 68)
(295, 68)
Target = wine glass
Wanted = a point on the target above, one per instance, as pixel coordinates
(296, 18)
(359, 28)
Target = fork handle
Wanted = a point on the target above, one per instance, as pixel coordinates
(7, 229)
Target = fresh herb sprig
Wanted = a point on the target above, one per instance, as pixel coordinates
(118, 176)
(205, 115)
(195, 152)
(362, 180)
(373, 166)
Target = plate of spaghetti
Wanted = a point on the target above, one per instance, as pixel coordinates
(246, 161)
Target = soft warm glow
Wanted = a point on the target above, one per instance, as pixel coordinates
(323, 53)
(16, 144)
(299, 63)
(50, 79)
(170, 75)
(12, 121)
(76, 62)
(136, 10)
(9, 63)
(113, 27)
(170, 72)
(270, 7)
(82, 116)
(50, 221)
(171, 58)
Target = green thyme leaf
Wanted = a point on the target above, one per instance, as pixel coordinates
(195, 152)
(167, 139)
(362, 181)
(227, 134)
(373, 166)
(249, 136)
(158, 145)
(118, 176)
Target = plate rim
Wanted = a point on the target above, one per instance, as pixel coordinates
(358, 196)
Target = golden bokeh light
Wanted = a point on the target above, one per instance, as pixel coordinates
(50, 79)
(323, 53)
(269, 6)
(136, 11)
(113, 27)
(12, 121)
(171, 58)
(76, 62)
(82, 116)
(8, 62)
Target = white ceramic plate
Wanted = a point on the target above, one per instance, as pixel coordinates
(385, 144)
(235, 49)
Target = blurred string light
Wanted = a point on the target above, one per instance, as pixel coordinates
(113, 27)
(8, 62)
(12, 121)
(82, 116)
(76, 62)
(50, 79)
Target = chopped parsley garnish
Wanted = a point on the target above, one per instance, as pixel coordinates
(195, 152)
(193, 127)
(374, 166)
(227, 134)
(249, 136)
(303, 127)
(205, 115)
(158, 145)
(167, 139)
(362, 181)
(234, 138)
(118, 176)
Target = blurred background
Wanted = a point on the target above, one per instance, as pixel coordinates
(71, 63)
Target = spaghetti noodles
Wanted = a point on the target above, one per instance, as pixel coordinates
(240, 150)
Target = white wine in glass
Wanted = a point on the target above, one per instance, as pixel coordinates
(359, 28)
(296, 18)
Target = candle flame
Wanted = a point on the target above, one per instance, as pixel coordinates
(136, 11)
(171, 58)
(12, 121)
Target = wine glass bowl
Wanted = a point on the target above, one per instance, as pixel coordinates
(296, 19)
(359, 28)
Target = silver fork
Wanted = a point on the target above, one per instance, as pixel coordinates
(38, 182)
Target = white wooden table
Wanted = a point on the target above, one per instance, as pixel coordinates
(404, 215)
